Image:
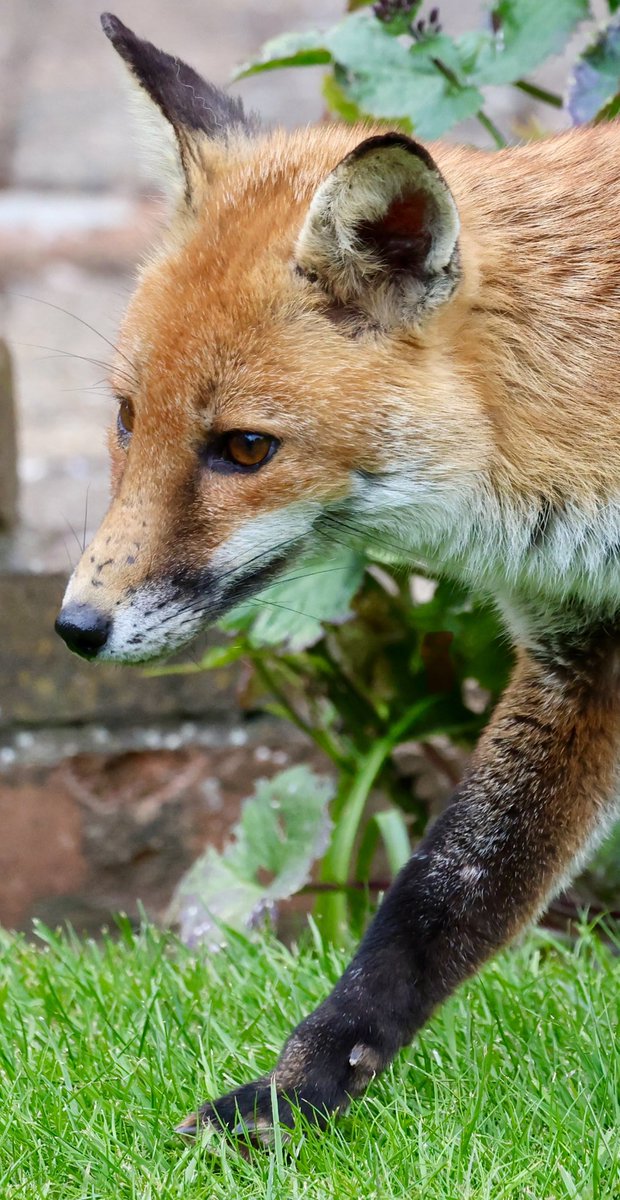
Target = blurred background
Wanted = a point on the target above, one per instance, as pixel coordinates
(110, 784)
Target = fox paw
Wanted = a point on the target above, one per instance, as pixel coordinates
(320, 1071)
(248, 1112)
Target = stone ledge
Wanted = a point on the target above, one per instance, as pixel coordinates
(43, 746)
(41, 683)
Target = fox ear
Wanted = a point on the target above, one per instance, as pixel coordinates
(381, 235)
(188, 108)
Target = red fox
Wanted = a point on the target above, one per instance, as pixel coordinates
(344, 326)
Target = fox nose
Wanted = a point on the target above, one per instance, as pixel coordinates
(83, 628)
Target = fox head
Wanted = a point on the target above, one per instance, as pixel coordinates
(281, 372)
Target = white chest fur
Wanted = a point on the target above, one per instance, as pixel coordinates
(551, 553)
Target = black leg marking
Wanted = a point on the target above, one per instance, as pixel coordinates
(541, 782)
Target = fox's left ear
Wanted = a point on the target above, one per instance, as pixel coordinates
(381, 235)
(190, 111)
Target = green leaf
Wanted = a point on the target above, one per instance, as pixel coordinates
(387, 79)
(240, 619)
(291, 613)
(338, 101)
(289, 50)
(609, 111)
(220, 656)
(526, 33)
(479, 648)
(596, 77)
(213, 659)
(361, 44)
(284, 827)
(395, 836)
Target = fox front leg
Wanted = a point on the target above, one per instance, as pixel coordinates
(539, 788)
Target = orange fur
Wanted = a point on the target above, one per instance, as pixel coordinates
(518, 375)
(430, 338)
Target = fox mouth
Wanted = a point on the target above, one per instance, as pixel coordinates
(162, 615)
(221, 598)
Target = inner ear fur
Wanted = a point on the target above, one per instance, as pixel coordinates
(193, 108)
(382, 232)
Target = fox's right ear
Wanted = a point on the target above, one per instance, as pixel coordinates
(381, 234)
(189, 111)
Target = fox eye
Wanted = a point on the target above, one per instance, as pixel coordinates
(249, 449)
(241, 450)
(125, 419)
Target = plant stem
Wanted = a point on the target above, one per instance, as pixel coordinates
(539, 93)
(347, 814)
(332, 912)
(318, 736)
(491, 128)
(449, 74)
(481, 116)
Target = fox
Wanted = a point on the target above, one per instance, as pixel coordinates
(342, 327)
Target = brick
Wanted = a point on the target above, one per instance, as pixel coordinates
(97, 833)
(40, 847)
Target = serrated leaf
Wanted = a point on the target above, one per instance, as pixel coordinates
(526, 32)
(289, 50)
(596, 76)
(387, 79)
(292, 613)
(361, 44)
(284, 827)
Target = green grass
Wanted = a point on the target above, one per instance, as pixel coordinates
(512, 1091)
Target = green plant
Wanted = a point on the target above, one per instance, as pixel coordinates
(390, 63)
(357, 689)
(401, 670)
